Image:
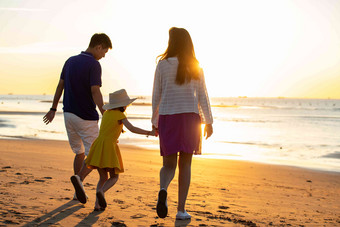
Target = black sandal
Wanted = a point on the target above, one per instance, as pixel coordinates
(101, 200)
(162, 206)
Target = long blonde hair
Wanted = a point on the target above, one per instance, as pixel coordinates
(180, 45)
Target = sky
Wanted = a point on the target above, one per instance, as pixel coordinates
(254, 48)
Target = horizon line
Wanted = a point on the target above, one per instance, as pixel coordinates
(239, 97)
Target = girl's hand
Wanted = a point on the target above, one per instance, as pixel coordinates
(156, 130)
(153, 132)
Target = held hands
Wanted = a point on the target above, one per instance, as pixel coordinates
(48, 118)
(208, 130)
(154, 132)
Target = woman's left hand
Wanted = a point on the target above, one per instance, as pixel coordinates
(208, 130)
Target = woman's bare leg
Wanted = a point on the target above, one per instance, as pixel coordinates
(168, 170)
(184, 177)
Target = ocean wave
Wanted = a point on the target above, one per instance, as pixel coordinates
(43, 113)
(134, 103)
(253, 144)
(246, 120)
(324, 117)
(16, 137)
(335, 155)
(49, 131)
(24, 113)
(139, 117)
(2, 125)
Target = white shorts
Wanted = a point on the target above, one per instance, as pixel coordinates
(80, 131)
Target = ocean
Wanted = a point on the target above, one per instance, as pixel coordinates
(295, 132)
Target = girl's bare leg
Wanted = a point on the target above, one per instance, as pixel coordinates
(111, 181)
(184, 177)
(106, 183)
(103, 176)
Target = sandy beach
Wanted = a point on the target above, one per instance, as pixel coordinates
(35, 190)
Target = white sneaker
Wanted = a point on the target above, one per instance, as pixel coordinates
(78, 186)
(182, 215)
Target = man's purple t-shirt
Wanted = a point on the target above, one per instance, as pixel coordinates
(79, 73)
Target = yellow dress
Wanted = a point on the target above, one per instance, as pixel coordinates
(104, 152)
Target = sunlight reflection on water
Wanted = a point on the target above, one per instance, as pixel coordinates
(295, 132)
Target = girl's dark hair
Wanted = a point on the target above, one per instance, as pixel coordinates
(180, 45)
(121, 109)
(100, 39)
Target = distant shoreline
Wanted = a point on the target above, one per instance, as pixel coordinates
(150, 104)
(229, 97)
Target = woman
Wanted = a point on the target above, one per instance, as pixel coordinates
(180, 103)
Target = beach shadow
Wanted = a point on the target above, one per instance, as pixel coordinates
(180, 223)
(57, 214)
(90, 219)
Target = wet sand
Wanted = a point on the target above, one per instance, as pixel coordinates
(35, 190)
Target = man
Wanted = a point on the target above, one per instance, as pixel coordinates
(81, 81)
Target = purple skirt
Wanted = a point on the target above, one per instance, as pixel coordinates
(180, 133)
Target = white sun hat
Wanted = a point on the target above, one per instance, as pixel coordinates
(118, 99)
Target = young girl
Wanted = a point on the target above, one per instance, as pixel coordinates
(104, 154)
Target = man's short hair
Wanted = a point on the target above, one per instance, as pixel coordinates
(100, 39)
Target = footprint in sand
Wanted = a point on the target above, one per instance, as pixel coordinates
(118, 201)
(201, 212)
(123, 207)
(139, 198)
(138, 216)
(150, 205)
(4, 168)
(14, 212)
(88, 185)
(118, 224)
(38, 180)
(234, 220)
(10, 222)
